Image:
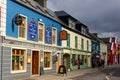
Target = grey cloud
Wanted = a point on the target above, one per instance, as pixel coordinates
(98, 15)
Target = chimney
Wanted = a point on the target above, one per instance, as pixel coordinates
(43, 3)
(95, 34)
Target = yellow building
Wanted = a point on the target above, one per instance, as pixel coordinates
(103, 51)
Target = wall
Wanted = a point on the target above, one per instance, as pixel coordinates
(30, 15)
(3, 17)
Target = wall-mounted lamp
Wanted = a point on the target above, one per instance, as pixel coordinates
(40, 20)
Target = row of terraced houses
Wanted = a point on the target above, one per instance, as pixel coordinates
(32, 38)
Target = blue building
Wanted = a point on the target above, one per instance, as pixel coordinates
(31, 43)
(95, 44)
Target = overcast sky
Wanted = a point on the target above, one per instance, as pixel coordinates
(101, 16)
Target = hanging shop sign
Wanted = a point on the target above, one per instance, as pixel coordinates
(18, 19)
(63, 35)
(32, 29)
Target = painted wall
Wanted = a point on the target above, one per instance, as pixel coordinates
(103, 49)
(95, 47)
(72, 40)
(3, 17)
(14, 8)
(72, 50)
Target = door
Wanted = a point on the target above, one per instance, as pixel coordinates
(66, 61)
(58, 62)
(35, 62)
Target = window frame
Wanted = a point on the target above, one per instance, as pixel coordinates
(40, 23)
(82, 44)
(50, 60)
(87, 45)
(55, 36)
(25, 36)
(76, 42)
(68, 40)
(25, 60)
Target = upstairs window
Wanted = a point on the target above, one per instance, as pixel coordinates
(76, 42)
(87, 45)
(68, 41)
(82, 44)
(41, 32)
(22, 28)
(54, 36)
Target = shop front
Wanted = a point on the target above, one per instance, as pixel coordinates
(26, 59)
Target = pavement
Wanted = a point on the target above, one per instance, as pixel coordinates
(54, 76)
(70, 74)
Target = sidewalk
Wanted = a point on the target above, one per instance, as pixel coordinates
(70, 74)
(54, 76)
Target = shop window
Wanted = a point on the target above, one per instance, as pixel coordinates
(41, 32)
(82, 60)
(54, 37)
(73, 60)
(47, 60)
(22, 28)
(18, 59)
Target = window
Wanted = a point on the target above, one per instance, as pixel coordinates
(73, 59)
(82, 44)
(18, 59)
(68, 41)
(54, 37)
(76, 42)
(82, 61)
(22, 28)
(87, 45)
(41, 32)
(47, 59)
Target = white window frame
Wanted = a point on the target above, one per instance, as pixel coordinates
(25, 61)
(56, 36)
(50, 60)
(43, 32)
(25, 29)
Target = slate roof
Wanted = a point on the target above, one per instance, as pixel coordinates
(33, 5)
(106, 40)
(77, 22)
(63, 13)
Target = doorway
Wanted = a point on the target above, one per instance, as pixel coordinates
(35, 62)
(58, 62)
(66, 61)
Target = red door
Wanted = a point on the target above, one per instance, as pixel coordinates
(35, 62)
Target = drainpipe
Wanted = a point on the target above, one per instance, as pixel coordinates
(1, 56)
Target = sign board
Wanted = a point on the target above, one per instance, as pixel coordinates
(32, 29)
(63, 35)
(18, 19)
(62, 70)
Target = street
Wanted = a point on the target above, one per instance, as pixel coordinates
(111, 73)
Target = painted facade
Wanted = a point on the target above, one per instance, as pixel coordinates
(73, 54)
(112, 55)
(77, 47)
(29, 47)
(103, 51)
